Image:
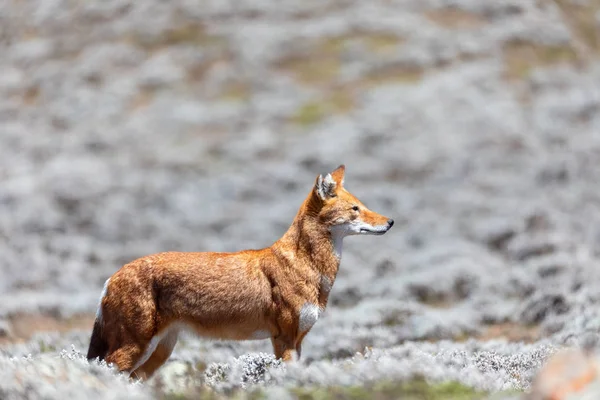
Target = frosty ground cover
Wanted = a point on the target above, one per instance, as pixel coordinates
(129, 128)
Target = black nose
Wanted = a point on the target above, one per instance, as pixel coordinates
(390, 222)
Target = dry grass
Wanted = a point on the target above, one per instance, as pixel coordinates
(511, 331)
(320, 67)
(337, 101)
(215, 48)
(581, 19)
(184, 33)
(378, 43)
(322, 64)
(521, 57)
(197, 72)
(410, 390)
(24, 326)
(314, 69)
(142, 99)
(454, 18)
(31, 95)
(235, 91)
(342, 99)
(394, 75)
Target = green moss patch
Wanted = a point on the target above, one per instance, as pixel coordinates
(416, 389)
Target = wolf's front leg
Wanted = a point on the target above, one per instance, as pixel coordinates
(285, 348)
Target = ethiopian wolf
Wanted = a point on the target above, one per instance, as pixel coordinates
(275, 293)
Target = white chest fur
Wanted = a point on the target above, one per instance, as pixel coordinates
(337, 239)
(326, 284)
(309, 314)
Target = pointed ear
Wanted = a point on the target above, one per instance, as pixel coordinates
(338, 175)
(325, 187)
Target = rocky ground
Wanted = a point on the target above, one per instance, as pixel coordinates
(128, 128)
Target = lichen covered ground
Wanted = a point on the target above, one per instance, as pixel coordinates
(128, 128)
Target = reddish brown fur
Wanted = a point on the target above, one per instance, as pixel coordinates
(226, 295)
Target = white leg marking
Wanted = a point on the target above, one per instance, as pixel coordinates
(104, 291)
(326, 284)
(170, 340)
(309, 314)
(167, 338)
(148, 352)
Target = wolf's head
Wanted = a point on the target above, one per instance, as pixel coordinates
(342, 212)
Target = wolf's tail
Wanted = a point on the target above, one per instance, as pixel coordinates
(98, 345)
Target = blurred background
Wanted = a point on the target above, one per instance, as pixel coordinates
(129, 128)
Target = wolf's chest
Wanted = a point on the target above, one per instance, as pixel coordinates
(310, 312)
(325, 285)
(308, 316)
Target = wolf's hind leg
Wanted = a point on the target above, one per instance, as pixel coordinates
(160, 355)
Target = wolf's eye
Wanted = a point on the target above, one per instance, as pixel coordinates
(355, 208)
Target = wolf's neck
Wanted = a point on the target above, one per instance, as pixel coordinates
(314, 243)
(337, 240)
